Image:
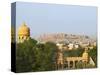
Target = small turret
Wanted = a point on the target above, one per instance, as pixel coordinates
(85, 55)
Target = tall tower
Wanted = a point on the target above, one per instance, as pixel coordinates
(23, 33)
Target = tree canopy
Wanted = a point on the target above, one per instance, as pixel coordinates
(33, 56)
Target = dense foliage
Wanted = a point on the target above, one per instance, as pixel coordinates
(33, 56)
(93, 54)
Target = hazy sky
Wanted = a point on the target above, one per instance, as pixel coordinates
(52, 18)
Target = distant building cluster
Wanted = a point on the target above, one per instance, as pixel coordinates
(69, 46)
(68, 41)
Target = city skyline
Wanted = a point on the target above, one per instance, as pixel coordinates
(61, 36)
(56, 18)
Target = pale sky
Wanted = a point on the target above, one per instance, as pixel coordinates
(57, 18)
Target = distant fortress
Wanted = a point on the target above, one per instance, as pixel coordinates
(66, 38)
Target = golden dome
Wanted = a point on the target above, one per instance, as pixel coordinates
(24, 30)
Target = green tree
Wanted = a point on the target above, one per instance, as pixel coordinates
(45, 55)
(25, 55)
(93, 54)
(51, 53)
(33, 56)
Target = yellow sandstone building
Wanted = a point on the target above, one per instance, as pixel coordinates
(23, 33)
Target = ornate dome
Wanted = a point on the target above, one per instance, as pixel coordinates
(24, 30)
